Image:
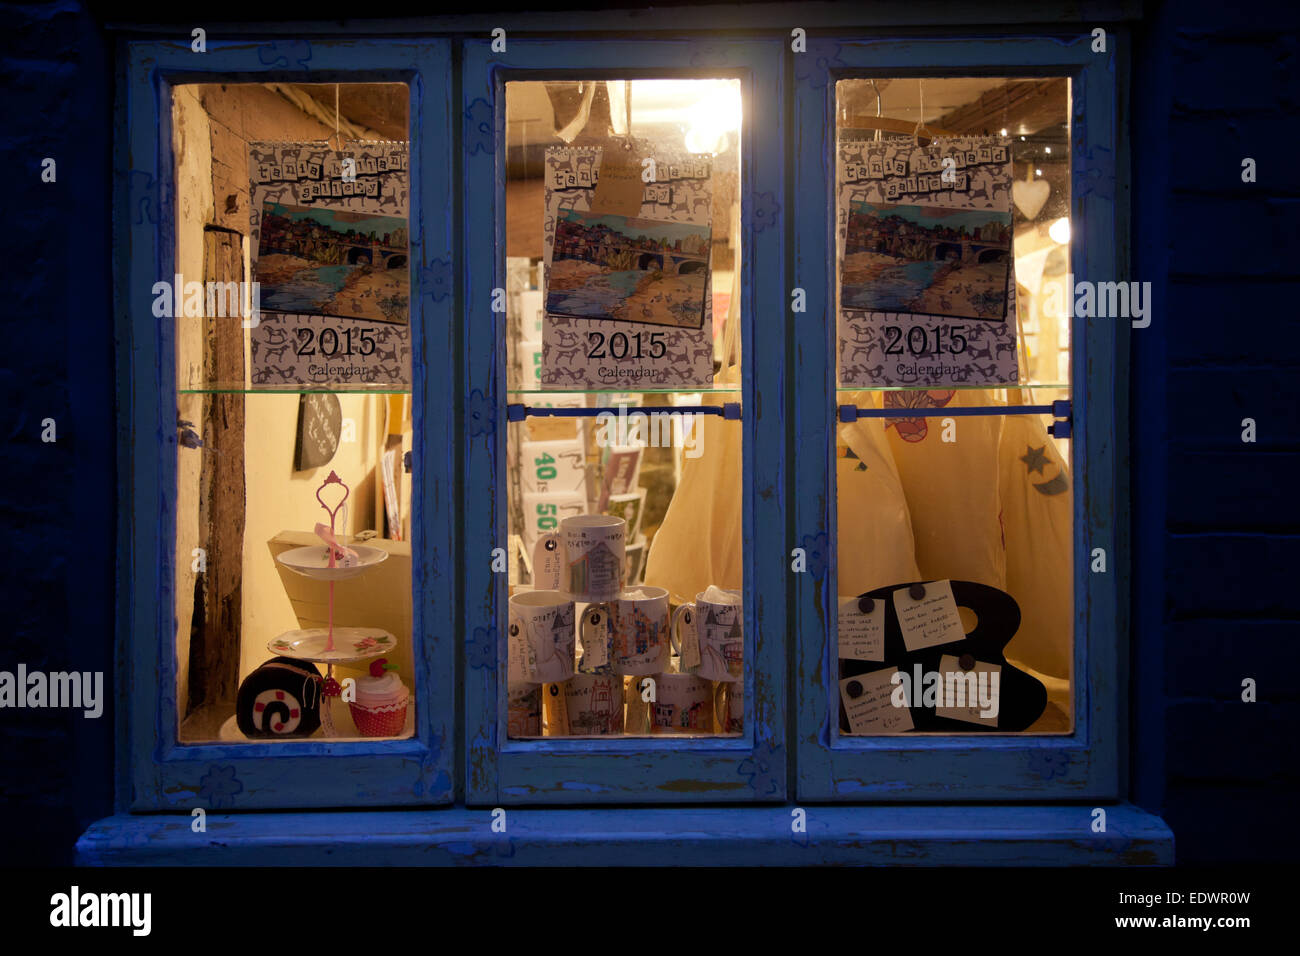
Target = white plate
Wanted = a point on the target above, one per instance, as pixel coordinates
(313, 561)
(350, 644)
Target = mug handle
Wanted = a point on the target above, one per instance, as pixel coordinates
(591, 618)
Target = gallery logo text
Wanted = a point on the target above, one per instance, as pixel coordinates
(654, 429)
(74, 908)
(22, 688)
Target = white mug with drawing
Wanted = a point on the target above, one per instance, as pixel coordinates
(591, 550)
(708, 634)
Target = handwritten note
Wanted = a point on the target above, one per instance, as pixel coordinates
(966, 697)
(867, 701)
(619, 188)
(931, 620)
(861, 635)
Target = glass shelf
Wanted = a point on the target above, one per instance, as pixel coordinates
(947, 388)
(294, 389)
(727, 390)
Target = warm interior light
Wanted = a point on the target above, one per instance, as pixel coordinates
(1060, 231)
(711, 119)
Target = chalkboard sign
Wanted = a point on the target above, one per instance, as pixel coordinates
(1021, 697)
(320, 420)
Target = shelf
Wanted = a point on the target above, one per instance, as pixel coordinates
(295, 389)
(735, 389)
(705, 390)
(1046, 386)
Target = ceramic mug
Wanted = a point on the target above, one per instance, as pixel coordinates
(719, 631)
(541, 644)
(729, 706)
(683, 704)
(628, 635)
(524, 710)
(593, 704)
(592, 556)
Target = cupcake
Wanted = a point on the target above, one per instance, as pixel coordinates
(382, 698)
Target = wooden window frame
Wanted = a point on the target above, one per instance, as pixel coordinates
(1087, 763)
(628, 770)
(156, 771)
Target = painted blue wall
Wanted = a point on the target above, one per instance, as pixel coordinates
(57, 501)
(1216, 523)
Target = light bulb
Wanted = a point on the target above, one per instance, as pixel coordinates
(1059, 231)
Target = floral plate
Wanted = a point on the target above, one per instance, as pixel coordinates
(313, 561)
(350, 644)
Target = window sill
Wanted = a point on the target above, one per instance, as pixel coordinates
(711, 836)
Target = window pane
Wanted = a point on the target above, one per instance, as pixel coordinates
(293, 367)
(954, 531)
(625, 300)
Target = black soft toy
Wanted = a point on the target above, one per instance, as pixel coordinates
(280, 699)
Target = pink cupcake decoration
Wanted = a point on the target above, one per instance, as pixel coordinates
(382, 699)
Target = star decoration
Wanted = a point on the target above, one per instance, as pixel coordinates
(1034, 459)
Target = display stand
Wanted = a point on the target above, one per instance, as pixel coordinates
(330, 645)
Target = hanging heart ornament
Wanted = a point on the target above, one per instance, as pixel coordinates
(1030, 195)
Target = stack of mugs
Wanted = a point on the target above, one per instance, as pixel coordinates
(640, 670)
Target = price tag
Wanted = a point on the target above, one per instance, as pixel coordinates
(868, 701)
(861, 633)
(930, 620)
(618, 186)
(971, 695)
(690, 639)
(547, 564)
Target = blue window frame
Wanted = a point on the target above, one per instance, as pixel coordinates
(1086, 763)
(155, 771)
(626, 770)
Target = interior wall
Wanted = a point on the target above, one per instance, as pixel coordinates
(194, 208)
(281, 499)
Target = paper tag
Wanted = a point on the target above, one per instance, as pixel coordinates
(861, 636)
(547, 564)
(619, 188)
(932, 620)
(690, 639)
(869, 707)
(595, 641)
(980, 693)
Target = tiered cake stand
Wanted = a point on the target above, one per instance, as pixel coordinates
(332, 561)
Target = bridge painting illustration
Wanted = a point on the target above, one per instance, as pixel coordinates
(320, 261)
(628, 269)
(931, 260)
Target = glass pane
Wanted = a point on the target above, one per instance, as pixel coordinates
(955, 609)
(292, 354)
(625, 529)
